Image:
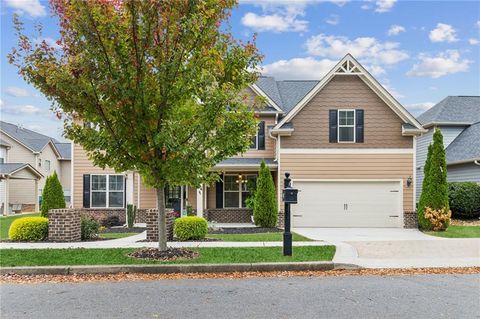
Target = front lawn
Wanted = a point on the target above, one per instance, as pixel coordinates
(118, 256)
(455, 231)
(115, 235)
(5, 223)
(257, 237)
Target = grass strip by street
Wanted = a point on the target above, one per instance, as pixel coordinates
(454, 231)
(5, 223)
(257, 237)
(115, 235)
(118, 256)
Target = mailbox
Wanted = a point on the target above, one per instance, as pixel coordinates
(290, 195)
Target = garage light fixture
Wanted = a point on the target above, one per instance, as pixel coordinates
(409, 181)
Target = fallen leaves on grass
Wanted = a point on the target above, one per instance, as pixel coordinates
(75, 278)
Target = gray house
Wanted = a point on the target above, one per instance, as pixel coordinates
(458, 117)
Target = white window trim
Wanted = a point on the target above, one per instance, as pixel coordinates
(354, 125)
(47, 168)
(107, 191)
(256, 142)
(239, 191)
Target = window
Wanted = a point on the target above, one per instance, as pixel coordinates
(172, 196)
(346, 126)
(254, 143)
(47, 166)
(107, 191)
(2, 160)
(235, 190)
(39, 162)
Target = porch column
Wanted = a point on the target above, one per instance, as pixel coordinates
(200, 201)
(37, 206)
(129, 188)
(7, 197)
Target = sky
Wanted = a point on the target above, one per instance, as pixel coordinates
(421, 51)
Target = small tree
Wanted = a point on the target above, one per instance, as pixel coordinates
(52, 195)
(435, 186)
(265, 211)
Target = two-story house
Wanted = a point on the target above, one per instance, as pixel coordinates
(458, 117)
(348, 144)
(27, 158)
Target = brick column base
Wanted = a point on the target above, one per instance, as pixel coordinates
(410, 219)
(151, 217)
(64, 225)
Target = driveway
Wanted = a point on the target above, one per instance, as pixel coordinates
(396, 247)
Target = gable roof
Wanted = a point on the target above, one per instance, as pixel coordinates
(34, 141)
(349, 66)
(453, 110)
(9, 169)
(466, 147)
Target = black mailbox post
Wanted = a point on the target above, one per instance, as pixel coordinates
(289, 197)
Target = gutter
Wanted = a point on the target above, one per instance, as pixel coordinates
(476, 162)
(428, 125)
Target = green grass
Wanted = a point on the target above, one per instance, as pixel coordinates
(5, 223)
(115, 235)
(118, 256)
(458, 232)
(257, 237)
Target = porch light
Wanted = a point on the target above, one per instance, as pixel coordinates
(409, 181)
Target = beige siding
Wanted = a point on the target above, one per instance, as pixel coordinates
(192, 197)
(269, 151)
(348, 166)
(382, 125)
(21, 191)
(66, 174)
(82, 165)
(48, 154)
(148, 196)
(211, 197)
(19, 153)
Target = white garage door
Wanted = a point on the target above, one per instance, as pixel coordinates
(348, 204)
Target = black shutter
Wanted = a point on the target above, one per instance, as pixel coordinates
(219, 192)
(333, 126)
(86, 191)
(261, 135)
(359, 119)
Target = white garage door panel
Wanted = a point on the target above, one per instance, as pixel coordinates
(348, 204)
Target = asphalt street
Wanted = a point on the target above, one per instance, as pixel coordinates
(418, 296)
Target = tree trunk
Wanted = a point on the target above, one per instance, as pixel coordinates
(162, 220)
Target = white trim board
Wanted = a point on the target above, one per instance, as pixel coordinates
(347, 151)
(367, 78)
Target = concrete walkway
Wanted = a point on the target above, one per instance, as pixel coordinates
(133, 242)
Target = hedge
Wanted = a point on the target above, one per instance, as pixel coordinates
(29, 229)
(190, 228)
(464, 199)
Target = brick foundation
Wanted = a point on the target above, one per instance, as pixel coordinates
(410, 220)
(101, 214)
(151, 217)
(141, 216)
(28, 208)
(64, 225)
(229, 215)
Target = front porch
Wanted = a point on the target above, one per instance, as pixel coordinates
(224, 201)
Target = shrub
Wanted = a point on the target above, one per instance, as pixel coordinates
(464, 199)
(111, 221)
(52, 195)
(89, 228)
(265, 210)
(190, 227)
(29, 229)
(435, 187)
(131, 214)
(438, 218)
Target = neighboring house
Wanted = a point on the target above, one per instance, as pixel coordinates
(348, 144)
(27, 158)
(458, 117)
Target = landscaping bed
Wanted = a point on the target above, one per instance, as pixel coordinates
(119, 256)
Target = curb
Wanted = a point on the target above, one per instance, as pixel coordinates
(171, 269)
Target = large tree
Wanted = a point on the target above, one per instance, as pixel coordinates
(159, 82)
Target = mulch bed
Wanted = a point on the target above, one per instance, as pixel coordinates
(244, 230)
(170, 254)
(76, 278)
(465, 222)
(123, 230)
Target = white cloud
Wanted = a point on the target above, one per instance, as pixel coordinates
(384, 5)
(419, 108)
(17, 92)
(278, 22)
(375, 70)
(443, 33)
(473, 41)
(477, 24)
(333, 19)
(442, 64)
(1, 102)
(299, 68)
(26, 110)
(32, 7)
(367, 49)
(395, 30)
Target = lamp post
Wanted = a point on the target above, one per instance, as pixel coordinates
(289, 197)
